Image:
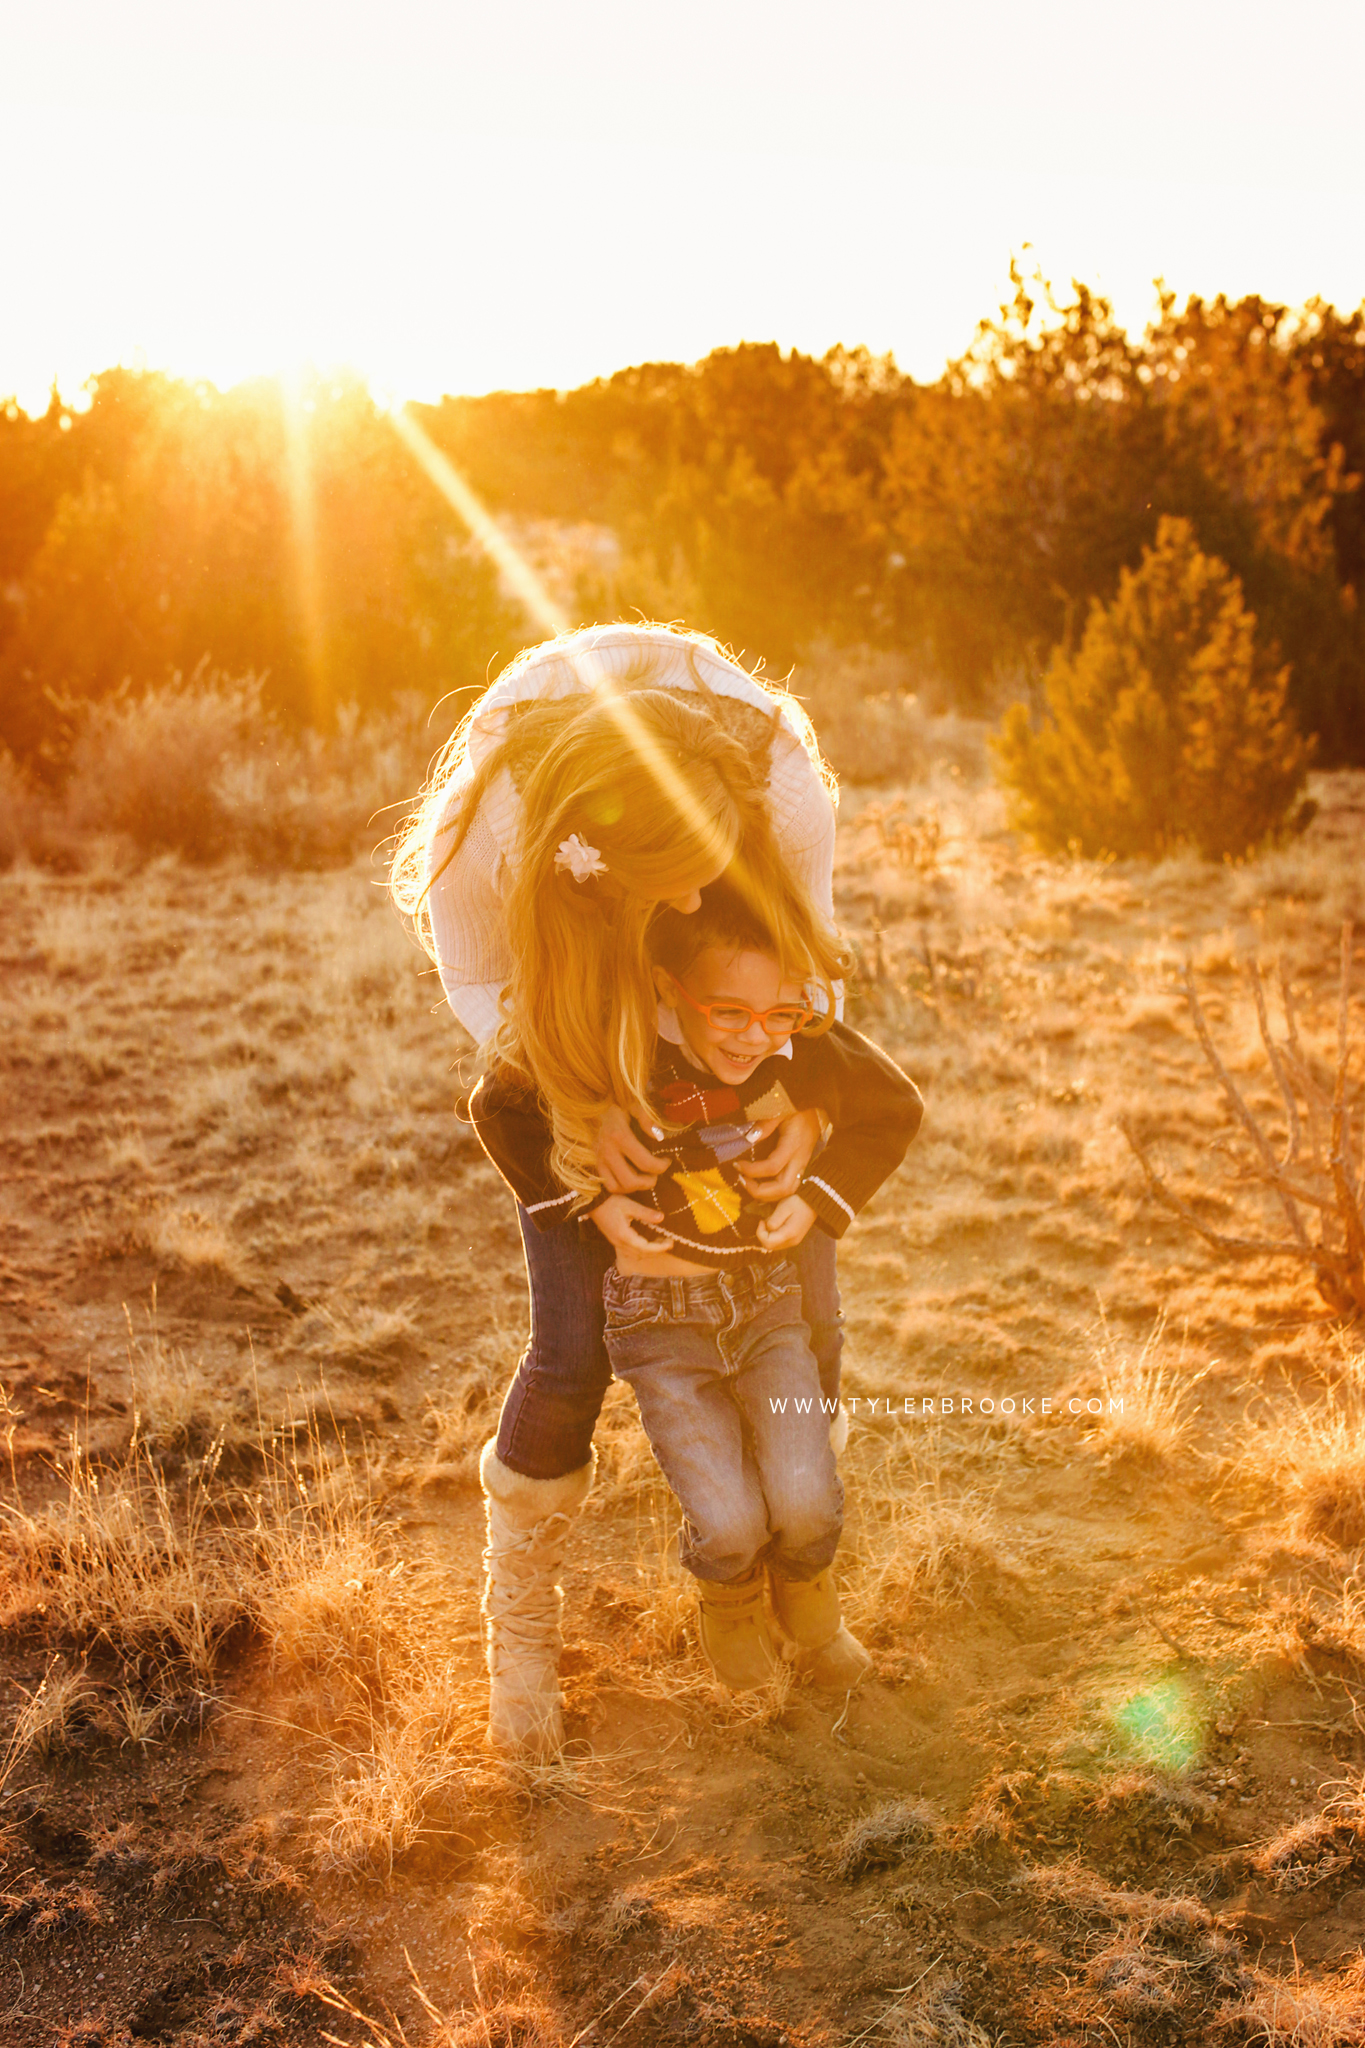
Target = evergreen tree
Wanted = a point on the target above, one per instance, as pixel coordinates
(1165, 727)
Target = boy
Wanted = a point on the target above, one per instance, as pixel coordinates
(707, 1328)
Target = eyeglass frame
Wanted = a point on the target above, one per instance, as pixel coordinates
(754, 1016)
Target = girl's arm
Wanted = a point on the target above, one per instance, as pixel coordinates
(514, 1133)
(803, 816)
(468, 935)
(875, 1110)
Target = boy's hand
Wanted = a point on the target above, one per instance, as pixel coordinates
(780, 1174)
(623, 1164)
(618, 1217)
(788, 1224)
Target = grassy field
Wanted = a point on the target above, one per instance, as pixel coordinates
(260, 1295)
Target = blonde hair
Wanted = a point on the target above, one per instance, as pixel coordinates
(650, 778)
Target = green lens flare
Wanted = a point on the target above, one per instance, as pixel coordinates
(1163, 1723)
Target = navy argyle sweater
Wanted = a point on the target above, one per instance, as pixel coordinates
(706, 1127)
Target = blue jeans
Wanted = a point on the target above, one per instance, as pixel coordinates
(552, 1405)
(730, 1399)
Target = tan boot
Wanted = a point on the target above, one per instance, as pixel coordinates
(807, 1611)
(528, 1520)
(734, 1632)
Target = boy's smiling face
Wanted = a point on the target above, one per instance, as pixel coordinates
(751, 981)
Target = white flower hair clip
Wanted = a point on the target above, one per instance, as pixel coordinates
(581, 860)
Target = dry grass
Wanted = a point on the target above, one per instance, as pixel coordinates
(59, 1705)
(122, 1560)
(415, 1772)
(1066, 1619)
(885, 1837)
(1147, 1411)
(1309, 1454)
(358, 1337)
(175, 1400)
(936, 2019)
(1294, 2013)
(128, 1566)
(918, 1542)
(486, 2022)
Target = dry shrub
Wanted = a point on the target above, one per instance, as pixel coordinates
(30, 822)
(913, 839)
(1307, 1173)
(872, 726)
(148, 766)
(201, 766)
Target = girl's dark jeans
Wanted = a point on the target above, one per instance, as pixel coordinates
(552, 1405)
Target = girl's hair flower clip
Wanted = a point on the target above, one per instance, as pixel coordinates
(581, 860)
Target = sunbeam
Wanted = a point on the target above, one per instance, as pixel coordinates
(516, 572)
(303, 518)
(521, 579)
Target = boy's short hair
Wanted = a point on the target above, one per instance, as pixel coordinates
(724, 919)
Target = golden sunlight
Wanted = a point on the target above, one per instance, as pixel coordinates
(516, 572)
(533, 1516)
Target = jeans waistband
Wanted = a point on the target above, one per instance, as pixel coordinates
(676, 1292)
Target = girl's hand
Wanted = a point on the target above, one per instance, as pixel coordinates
(788, 1224)
(617, 1219)
(781, 1173)
(623, 1164)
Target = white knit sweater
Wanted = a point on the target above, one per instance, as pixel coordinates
(466, 899)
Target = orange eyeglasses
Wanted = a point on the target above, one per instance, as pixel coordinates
(779, 1022)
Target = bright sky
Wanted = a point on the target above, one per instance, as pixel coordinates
(456, 197)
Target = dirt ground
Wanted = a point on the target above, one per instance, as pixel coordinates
(259, 1297)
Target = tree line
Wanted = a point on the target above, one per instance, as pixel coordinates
(781, 501)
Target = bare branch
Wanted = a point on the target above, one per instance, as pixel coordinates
(1244, 1247)
(1347, 1201)
(1291, 1108)
(1240, 1110)
(1325, 1183)
(1300, 1067)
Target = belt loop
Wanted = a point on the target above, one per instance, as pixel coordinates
(677, 1290)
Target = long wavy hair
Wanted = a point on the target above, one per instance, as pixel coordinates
(670, 800)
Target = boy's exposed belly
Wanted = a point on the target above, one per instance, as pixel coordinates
(664, 1265)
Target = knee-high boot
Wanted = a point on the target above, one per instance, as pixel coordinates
(528, 1520)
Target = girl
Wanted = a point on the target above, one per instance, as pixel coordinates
(654, 750)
